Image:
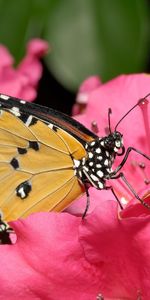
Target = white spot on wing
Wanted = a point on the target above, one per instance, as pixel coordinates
(22, 102)
(83, 161)
(29, 120)
(2, 227)
(22, 193)
(76, 163)
(5, 97)
(15, 110)
(50, 125)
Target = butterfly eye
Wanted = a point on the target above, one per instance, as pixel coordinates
(118, 143)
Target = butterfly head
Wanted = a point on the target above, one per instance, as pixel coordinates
(114, 142)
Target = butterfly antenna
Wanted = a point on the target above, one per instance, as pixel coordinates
(109, 124)
(141, 101)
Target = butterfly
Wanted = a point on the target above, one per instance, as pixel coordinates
(48, 159)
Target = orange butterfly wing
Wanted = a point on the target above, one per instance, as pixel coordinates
(41, 156)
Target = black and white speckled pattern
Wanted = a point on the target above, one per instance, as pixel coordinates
(97, 166)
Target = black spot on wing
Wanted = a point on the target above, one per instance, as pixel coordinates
(28, 120)
(33, 121)
(23, 189)
(23, 117)
(34, 145)
(55, 128)
(22, 150)
(14, 163)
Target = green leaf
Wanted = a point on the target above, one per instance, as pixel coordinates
(97, 37)
(21, 21)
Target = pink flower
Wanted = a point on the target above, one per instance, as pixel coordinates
(59, 256)
(105, 256)
(120, 94)
(88, 85)
(22, 81)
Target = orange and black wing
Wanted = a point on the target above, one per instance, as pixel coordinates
(36, 151)
(47, 114)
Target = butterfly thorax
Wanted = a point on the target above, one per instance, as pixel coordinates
(96, 167)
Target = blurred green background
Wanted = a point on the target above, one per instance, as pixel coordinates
(87, 37)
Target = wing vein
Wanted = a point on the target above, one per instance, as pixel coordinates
(50, 194)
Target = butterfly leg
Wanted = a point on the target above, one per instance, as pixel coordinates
(122, 176)
(87, 200)
(113, 192)
(126, 157)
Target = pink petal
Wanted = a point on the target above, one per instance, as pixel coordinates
(88, 85)
(47, 261)
(22, 82)
(102, 254)
(31, 65)
(99, 255)
(78, 207)
(37, 47)
(134, 207)
(120, 249)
